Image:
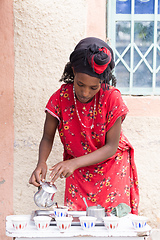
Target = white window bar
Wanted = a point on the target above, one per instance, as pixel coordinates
(112, 18)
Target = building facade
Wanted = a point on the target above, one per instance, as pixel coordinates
(37, 38)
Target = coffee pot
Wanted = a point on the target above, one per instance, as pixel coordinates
(44, 196)
(95, 211)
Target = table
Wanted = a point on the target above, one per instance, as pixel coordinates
(125, 231)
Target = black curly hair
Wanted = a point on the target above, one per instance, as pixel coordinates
(68, 76)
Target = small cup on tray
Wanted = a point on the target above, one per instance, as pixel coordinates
(60, 211)
(111, 222)
(64, 223)
(42, 222)
(87, 222)
(20, 222)
(138, 222)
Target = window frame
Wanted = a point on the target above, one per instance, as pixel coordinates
(112, 18)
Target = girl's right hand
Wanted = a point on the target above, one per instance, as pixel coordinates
(39, 174)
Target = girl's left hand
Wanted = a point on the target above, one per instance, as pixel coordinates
(62, 169)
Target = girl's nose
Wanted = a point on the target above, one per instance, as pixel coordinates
(85, 93)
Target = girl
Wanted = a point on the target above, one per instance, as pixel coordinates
(98, 160)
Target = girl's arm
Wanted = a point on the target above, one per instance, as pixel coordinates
(66, 168)
(45, 147)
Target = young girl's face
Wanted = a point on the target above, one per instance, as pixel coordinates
(85, 86)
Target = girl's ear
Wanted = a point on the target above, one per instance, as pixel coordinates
(73, 70)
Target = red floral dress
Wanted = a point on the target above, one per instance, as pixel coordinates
(110, 182)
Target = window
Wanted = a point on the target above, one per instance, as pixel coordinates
(133, 30)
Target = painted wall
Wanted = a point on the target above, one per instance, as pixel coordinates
(45, 32)
(6, 115)
(96, 19)
(142, 127)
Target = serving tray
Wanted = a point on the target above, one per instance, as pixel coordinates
(74, 214)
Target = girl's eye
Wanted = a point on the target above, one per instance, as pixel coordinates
(80, 85)
(94, 88)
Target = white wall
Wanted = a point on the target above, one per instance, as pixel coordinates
(46, 32)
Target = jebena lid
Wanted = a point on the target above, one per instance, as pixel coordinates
(50, 188)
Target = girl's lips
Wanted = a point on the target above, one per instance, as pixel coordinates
(81, 99)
